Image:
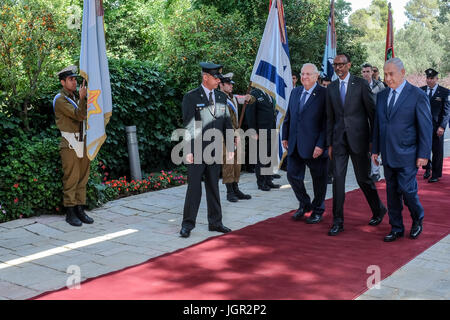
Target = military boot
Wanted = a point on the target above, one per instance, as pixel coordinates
(239, 193)
(231, 196)
(83, 216)
(71, 217)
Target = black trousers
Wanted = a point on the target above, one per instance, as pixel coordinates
(260, 178)
(437, 159)
(361, 166)
(296, 175)
(194, 194)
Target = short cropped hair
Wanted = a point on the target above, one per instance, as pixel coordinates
(346, 55)
(397, 62)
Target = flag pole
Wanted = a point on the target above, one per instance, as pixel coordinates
(241, 118)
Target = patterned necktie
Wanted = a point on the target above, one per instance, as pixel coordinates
(303, 100)
(211, 102)
(343, 93)
(391, 103)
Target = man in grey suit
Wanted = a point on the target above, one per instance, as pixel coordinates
(375, 87)
(350, 114)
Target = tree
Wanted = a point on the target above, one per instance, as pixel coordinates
(372, 22)
(417, 61)
(423, 11)
(35, 40)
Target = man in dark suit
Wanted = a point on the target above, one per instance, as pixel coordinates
(304, 131)
(440, 111)
(350, 111)
(261, 116)
(402, 133)
(205, 109)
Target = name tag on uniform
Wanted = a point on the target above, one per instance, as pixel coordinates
(200, 106)
(438, 99)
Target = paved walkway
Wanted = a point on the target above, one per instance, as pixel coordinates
(45, 253)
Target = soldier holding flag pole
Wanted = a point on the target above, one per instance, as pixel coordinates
(82, 123)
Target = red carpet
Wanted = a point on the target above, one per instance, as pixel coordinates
(280, 258)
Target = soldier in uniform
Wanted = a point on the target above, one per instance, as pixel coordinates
(70, 116)
(440, 110)
(261, 115)
(231, 172)
(207, 108)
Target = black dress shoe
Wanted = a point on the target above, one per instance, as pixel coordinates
(185, 232)
(393, 235)
(220, 228)
(298, 214)
(264, 187)
(377, 220)
(427, 174)
(314, 218)
(273, 185)
(276, 176)
(375, 177)
(335, 229)
(416, 229)
(431, 180)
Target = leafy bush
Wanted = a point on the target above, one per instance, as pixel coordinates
(155, 181)
(141, 97)
(30, 179)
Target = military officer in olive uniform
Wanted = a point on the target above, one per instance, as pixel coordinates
(440, 110)
(231, 172)
(205, 108)
(261, 115)
(70, 116)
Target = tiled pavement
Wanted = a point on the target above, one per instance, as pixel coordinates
(30, 264)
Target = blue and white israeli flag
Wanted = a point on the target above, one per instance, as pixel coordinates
(330, 48)
(94, 69)
(272, 71)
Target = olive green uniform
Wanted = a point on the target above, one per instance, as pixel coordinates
(76, 170)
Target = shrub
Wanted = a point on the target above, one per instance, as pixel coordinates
(30, 179)
(141, 97)
(155, 181)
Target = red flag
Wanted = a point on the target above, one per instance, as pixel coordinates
(389, 53)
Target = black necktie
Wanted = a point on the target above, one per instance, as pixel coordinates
(211, 102)
(430, 95)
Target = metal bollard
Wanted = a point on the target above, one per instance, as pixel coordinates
(133, 153)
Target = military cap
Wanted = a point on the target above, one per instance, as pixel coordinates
(212, 68)
(70, 71)
(226, 78)
(431, 73)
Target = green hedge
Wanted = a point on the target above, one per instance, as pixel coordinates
(31, 184)
(141, 97)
